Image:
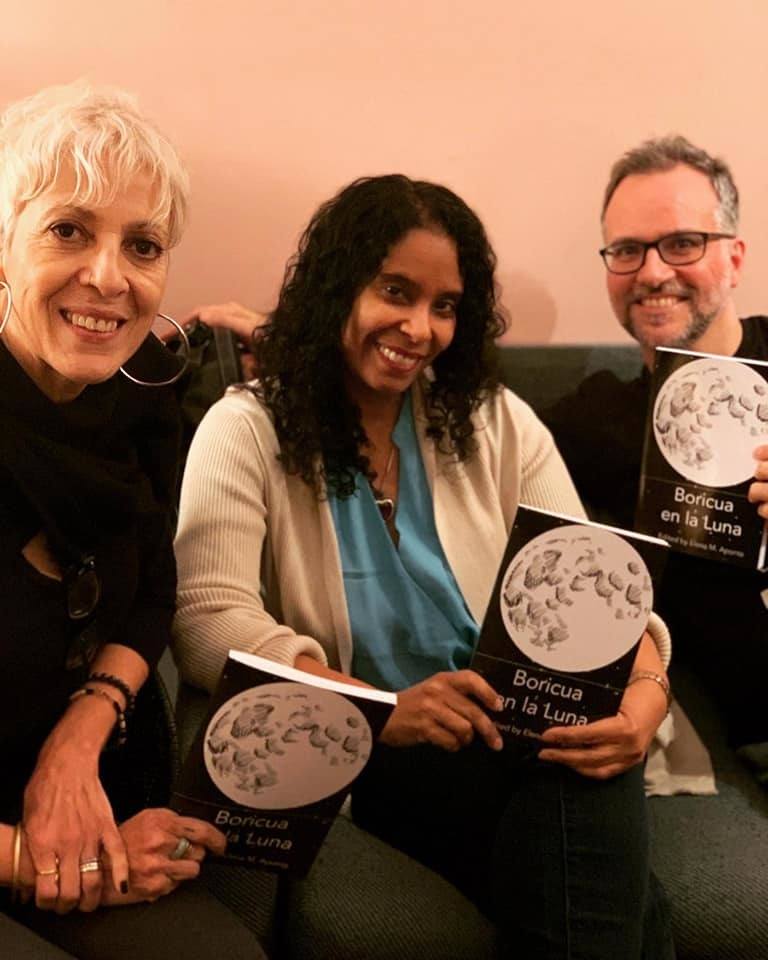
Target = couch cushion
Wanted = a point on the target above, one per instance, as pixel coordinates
(711, 853)
(364, 900)
(542, 375)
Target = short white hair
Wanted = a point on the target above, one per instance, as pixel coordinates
(99, 134)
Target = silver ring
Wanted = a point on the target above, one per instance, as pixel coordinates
(90, 866)
(181, 849)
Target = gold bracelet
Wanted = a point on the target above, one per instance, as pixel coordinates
(657, 678)
(16, 863)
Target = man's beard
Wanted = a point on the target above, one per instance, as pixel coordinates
(698, 321)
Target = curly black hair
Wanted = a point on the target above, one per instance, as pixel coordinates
(300, 359)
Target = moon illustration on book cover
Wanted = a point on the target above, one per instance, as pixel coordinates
(576, 598)
(284, 745)
(708, 417)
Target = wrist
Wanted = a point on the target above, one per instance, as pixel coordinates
(116, 688)
(26, 867)
(651, 676)
(8, 854)
(84, 728)
(17, 871)
(645, 701)
(120, 725)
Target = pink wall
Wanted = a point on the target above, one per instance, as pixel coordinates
(519, 106)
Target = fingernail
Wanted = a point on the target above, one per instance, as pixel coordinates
(123, 886)
(499, 703)
(498, 743)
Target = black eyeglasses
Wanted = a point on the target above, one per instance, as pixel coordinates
(677, 249)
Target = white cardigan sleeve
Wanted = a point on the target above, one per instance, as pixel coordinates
(220, 547)
(544, 478)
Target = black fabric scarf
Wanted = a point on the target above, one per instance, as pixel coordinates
(71, 470)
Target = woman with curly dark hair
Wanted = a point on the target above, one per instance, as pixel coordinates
(346, 514)
(340, 252)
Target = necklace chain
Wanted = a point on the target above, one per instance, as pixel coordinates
(385, 504)
(388, 464)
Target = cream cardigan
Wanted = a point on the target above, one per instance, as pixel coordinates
(258, 559)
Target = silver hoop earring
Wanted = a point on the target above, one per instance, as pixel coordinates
(8, 306)
(180, 374)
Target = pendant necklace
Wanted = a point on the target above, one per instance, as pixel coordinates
(386, 505)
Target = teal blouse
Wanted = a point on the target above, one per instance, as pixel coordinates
(406, 612)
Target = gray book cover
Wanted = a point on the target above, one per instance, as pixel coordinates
(706, 416)
(568, 610)
(275, 759)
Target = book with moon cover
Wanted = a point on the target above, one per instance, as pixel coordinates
(568, 610)
(706, 416)
(275, 759)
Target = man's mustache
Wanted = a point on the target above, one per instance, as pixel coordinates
(640, 291)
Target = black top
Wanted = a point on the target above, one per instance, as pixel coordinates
(709, 606)
(98, 476)
(600, 428)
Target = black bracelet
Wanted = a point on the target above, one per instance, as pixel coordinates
(112, 681)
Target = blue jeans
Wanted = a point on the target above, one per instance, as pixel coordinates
(558, 861)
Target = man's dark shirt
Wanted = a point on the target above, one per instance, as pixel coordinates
(718, 619)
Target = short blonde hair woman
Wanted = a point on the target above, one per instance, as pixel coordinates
(92, 198)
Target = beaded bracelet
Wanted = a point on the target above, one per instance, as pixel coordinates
(16, 864)
(122, 726)
(119, 684)
(657, 678)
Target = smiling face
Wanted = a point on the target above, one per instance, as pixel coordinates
(673, 306)
(403, 318)
(87, 284)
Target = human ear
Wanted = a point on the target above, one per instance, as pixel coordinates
(737, 254)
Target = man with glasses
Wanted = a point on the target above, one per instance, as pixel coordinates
(673, 258)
